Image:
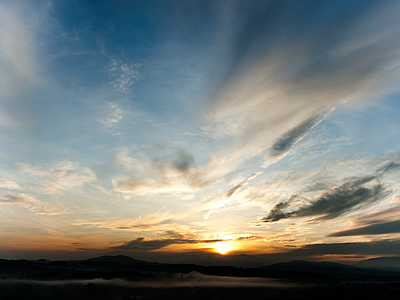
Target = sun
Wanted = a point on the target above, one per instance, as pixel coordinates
(223, 247)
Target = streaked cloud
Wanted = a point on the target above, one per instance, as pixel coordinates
(376, 222)
(175, 172)
(58, 176)
(374, 229)
(284, 90)
(340, 200)
(154, 244)
(17, 66)
(31, 204)
(9, 185)
(155, 221)
(284, 143)
(326, 192)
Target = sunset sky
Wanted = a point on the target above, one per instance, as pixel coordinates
(194, 131)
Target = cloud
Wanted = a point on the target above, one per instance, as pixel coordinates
(389, 166)
(376, 222)
(159, 175)
(155, 221)
(376, 247)
(284, 143)
(17, 65)
(395, 199)
(288, 66)
(161, 220)
(144, 244)
(214, 203)
(56, 177)
(173, 172)
(115, 114)
(332, 204)
(155, 244)
(122, 75)
(326, 192)
(31, 204)
(374, 229)
(9, 185)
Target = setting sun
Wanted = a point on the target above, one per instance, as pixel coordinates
(223, 247)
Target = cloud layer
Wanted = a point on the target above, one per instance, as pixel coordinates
(58, 176)
(332, 204)
(31, 204)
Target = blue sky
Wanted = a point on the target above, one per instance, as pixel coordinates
(163, 129)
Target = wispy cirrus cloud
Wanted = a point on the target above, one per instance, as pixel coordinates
(285, 142)
(155, 221)
(114, 114)
(58, 176)
(8, 184)
(173, 172)
(334, 203)
(31, 204)
(373, 229)
(352, 194)
(279, 86)
(330, 191)
(123, 75)
(164, 220)
(377, 222)
(17, 65)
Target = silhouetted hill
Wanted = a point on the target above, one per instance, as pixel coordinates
(122, 277)
(380, 263)
(327, 268)
(122, 259)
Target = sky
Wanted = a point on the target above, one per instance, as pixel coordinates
(200, 131)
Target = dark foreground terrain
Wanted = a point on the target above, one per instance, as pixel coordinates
(125, 278)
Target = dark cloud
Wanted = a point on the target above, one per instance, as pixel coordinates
(390, 166)
(144, 244)
(374, 229)
(379, 247)
(387, 247)
(179, 160)
(240, 185)
(285, 142)
(334, 203)
(277, 212)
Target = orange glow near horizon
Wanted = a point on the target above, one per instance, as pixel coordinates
(223, 247)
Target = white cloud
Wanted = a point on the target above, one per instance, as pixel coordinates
(114, 114)
(395, 199)
(265, 97)
(154, 221)
(9, 185)
(31, 204)
(174, 172)
(56, 177)
(123, 75)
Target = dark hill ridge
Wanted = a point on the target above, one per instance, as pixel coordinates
(327, 268)
(122, 259)
(380, 263)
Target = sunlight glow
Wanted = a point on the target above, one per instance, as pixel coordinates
(223, 247)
